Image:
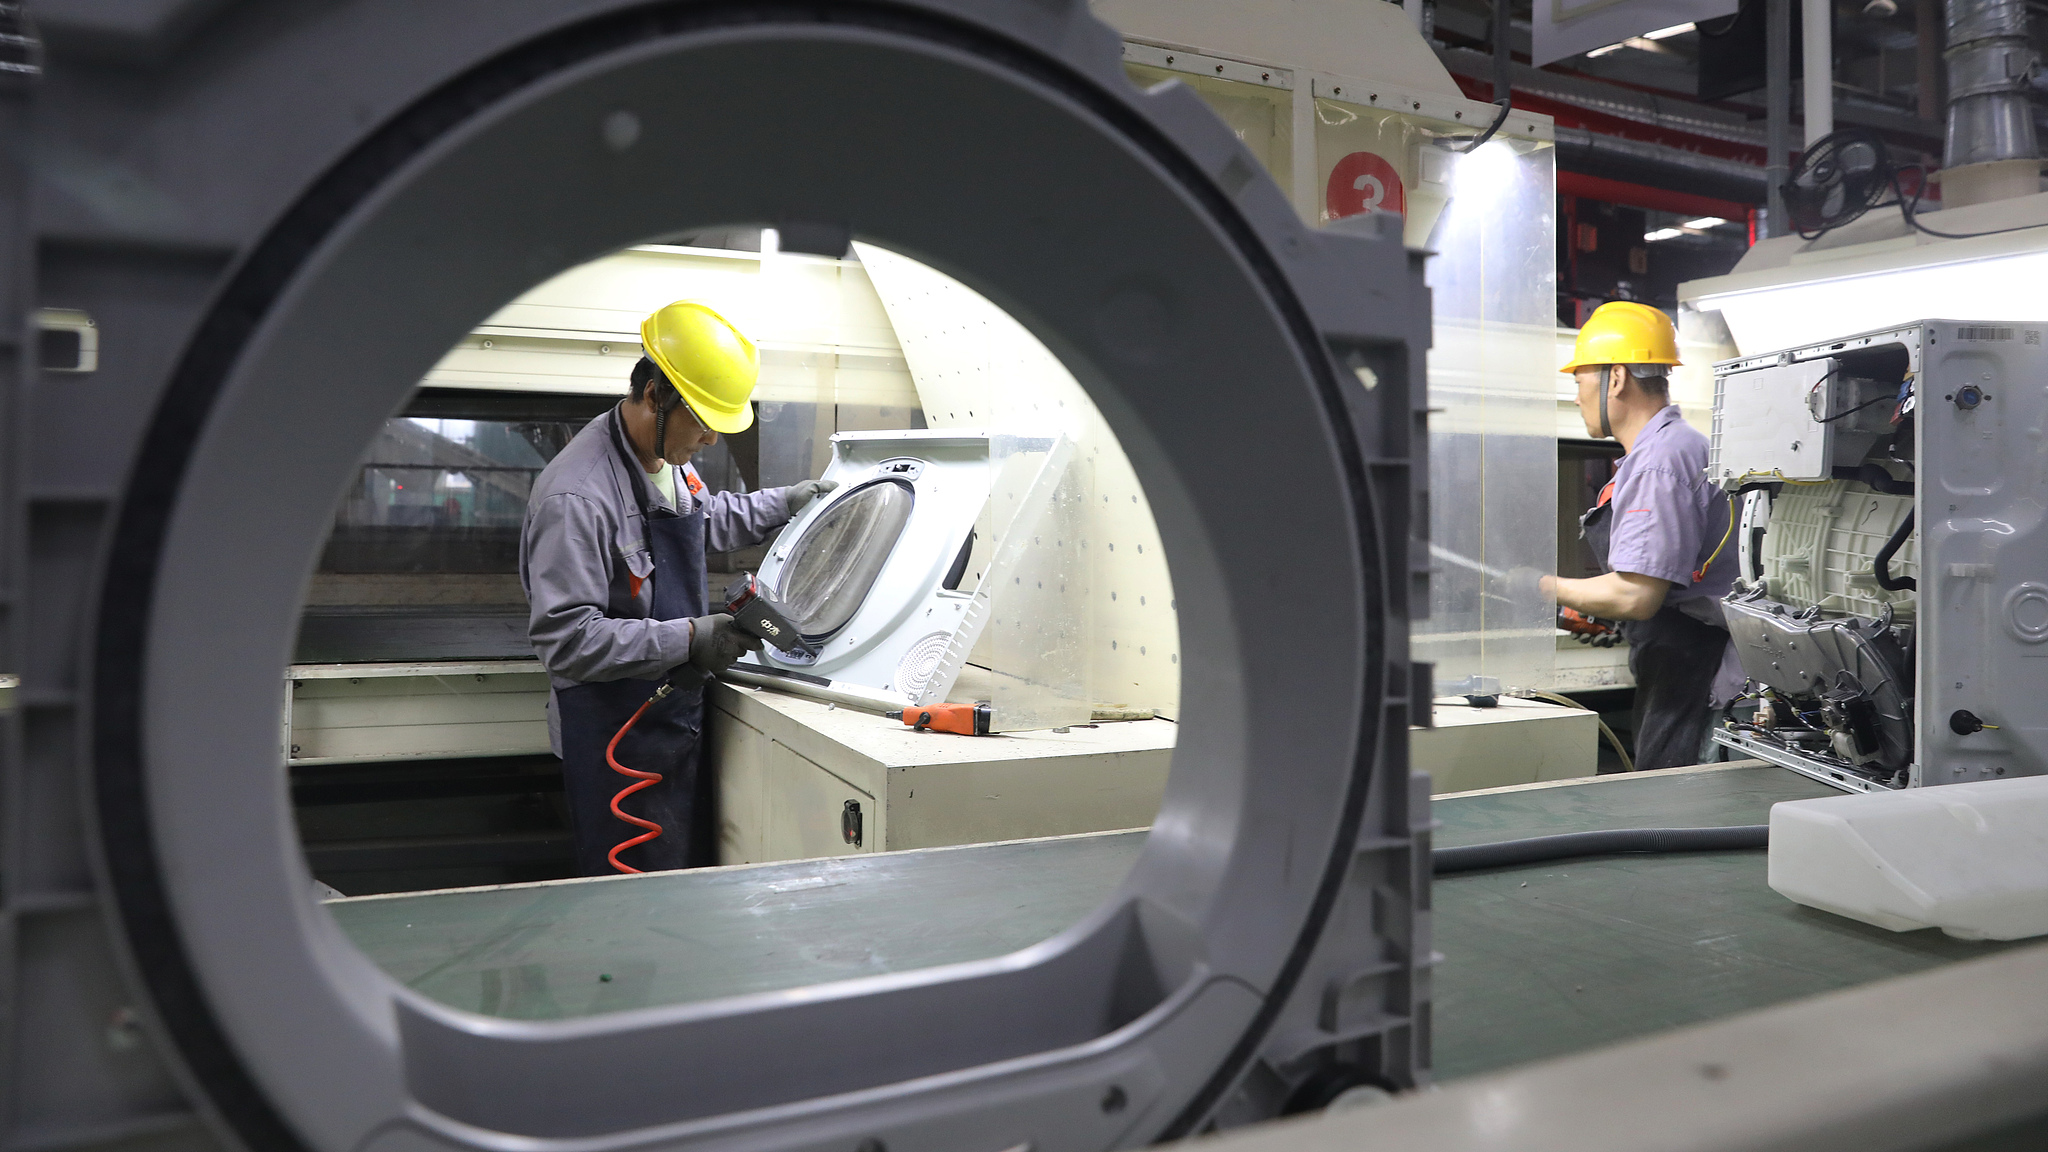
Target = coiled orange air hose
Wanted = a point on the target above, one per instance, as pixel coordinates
(640, 780)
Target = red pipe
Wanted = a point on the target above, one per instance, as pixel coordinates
(1607, 124)
(1643, 196)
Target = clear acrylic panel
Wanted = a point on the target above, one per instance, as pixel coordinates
(1038, 633)
(1262, 117)
(1080, 604)
(1376, 160)
(1488, 217)
(442, 495)
(1493, 393)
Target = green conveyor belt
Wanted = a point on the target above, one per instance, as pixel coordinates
(541, 951)
(1549, 959)
(1537, 961)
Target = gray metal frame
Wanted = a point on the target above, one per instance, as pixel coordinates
(280, 216)
(1946, 1061)
(1746, 746)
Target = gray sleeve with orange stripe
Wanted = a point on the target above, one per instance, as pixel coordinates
(737, 519)
(1657, 525)
(585, 618)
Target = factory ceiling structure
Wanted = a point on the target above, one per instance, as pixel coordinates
(1675, 125)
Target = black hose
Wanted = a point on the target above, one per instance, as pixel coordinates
(1499, 120)
(1875, 476)
(1881, 566)
(1537, 849)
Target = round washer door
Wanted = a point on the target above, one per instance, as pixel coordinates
(832, 566)
(1267, 941)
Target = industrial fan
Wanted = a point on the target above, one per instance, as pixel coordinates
(1842, 175)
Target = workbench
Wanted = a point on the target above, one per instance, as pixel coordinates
(1516, 741)
(800, 779)
(1537, 961)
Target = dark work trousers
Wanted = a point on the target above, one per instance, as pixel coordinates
(665, 740)
(1674, 658)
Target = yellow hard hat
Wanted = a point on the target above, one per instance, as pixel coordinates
(708, 360)
(1624, 332)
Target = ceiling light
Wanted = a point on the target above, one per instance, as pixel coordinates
(1665, 234)
(1790, 307)
(1645, 42)
(1704, 222)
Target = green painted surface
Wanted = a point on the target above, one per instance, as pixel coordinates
(1680, 799)
(543, 951)
(1538, 961)
(1549, 959)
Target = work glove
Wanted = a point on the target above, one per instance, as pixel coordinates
(1520, 586)
(715, 642)
(798, 496)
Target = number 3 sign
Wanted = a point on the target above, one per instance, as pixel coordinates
(1362, 182)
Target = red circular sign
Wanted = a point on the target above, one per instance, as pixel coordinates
(1362, 182)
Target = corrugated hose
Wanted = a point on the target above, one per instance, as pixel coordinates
(1538, 849)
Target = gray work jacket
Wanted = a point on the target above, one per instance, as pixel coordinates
(585, 564)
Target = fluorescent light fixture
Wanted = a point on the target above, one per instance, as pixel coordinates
(1770, 317)
(1704, 222)
(1647, 42)
(1664, 234)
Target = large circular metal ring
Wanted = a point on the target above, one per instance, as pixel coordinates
(999, 142)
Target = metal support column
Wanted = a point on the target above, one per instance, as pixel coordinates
(1927, 59)
(1778, 109)
(20, 67)
(1817, 22)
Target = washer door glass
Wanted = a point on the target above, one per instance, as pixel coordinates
(835, 563)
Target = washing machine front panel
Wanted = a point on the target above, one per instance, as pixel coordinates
(865, 569)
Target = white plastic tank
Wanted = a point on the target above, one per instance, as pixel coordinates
(1969, 859)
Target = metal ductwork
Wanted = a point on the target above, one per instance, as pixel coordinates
(1658, 165)
(1647, 108)
(1990, 122)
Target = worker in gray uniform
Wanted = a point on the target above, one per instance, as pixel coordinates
(1660, 530)
(612, 560)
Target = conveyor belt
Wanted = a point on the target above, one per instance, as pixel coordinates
(540, 951)
(1557, 958)
(1538, 961)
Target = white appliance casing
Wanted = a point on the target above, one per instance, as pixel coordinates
(1980, 500)
(897, 640)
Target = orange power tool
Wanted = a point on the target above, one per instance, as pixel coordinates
(964, 719)
(1588, 629)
